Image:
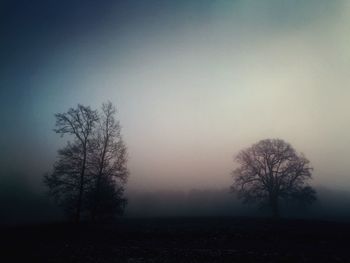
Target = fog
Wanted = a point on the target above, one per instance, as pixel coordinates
(23, 204)
(194, 82)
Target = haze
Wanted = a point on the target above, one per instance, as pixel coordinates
(194, 82)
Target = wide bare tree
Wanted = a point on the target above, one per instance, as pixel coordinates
(68, 180)
(271, 171)
(108, 165)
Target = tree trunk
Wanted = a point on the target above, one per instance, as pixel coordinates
(275, 207)
(97, 199)
(98, 182)
(101, 164)
(81, 188)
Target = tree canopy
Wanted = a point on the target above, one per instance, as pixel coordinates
(271, 171)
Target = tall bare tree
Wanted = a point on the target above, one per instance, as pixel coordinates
(70, 170)
(90, 173)
(109, 164)
(271, 171)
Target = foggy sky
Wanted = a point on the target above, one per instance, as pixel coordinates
(194, 82)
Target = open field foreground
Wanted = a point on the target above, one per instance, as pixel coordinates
(180, 240)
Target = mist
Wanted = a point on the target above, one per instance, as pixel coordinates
(194, 82)
(24, 204)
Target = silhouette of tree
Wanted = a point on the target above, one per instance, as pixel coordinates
(271, 171)
(64, 183)
(108, 166)
(91, 171)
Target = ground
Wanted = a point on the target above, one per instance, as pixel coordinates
(179, 240)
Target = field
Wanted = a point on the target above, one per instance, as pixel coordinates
(179, 240)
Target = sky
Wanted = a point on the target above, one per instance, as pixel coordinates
(194, 82)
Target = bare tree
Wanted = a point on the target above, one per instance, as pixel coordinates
(90, 173)
(109, 165)
(271, 171)
(67, 182)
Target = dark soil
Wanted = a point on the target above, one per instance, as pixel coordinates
(179, 240)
